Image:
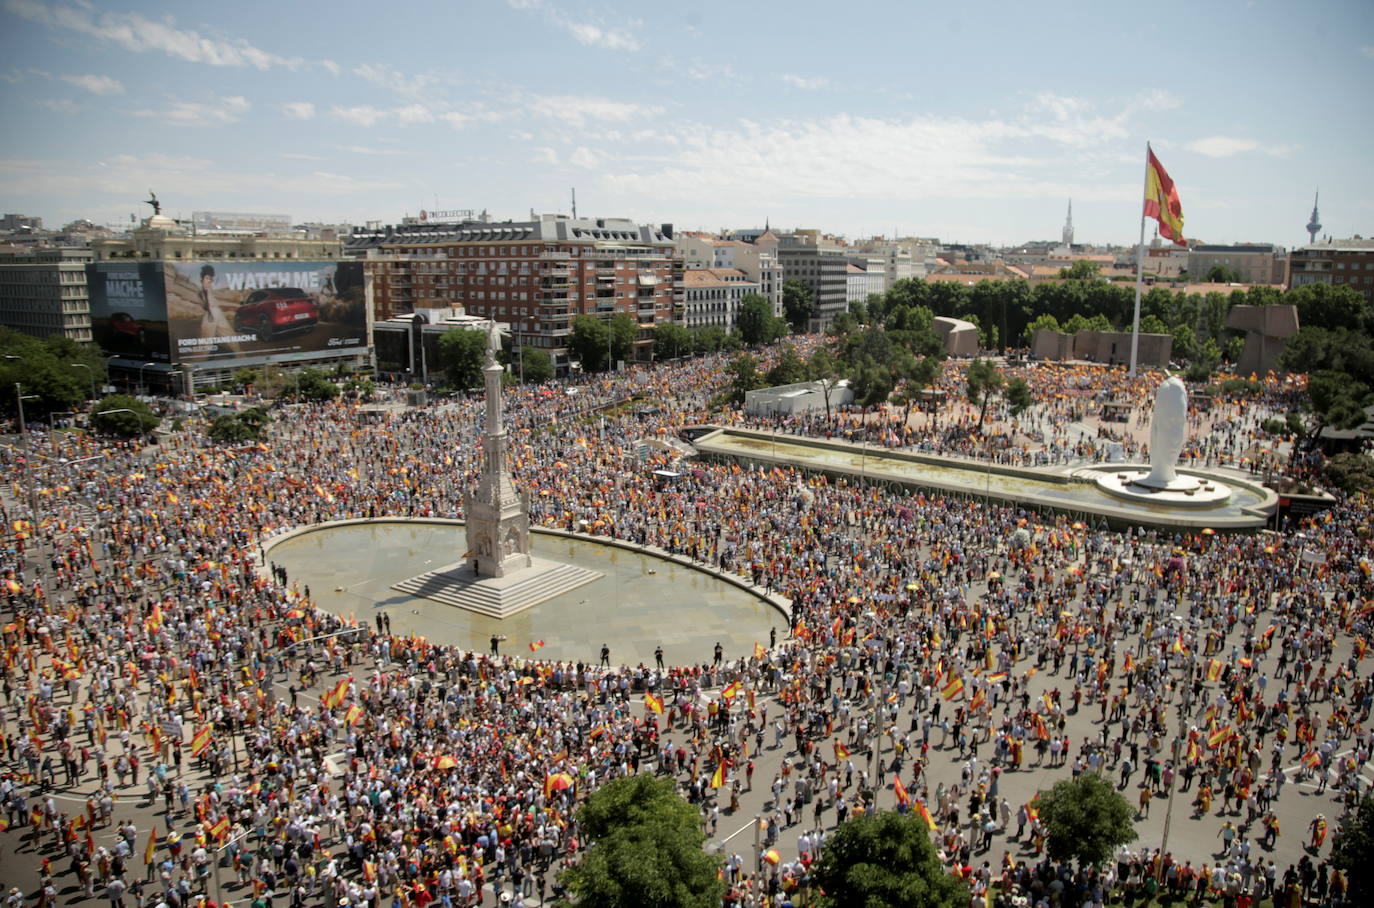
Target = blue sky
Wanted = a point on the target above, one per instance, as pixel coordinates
(970, 122)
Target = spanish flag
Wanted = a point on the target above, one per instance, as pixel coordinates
(1161, 200)
(653, 703)
(732, 691)
(900, 791)
(924, 813)
(200, 740)
(150, 853)
(536, 645)
(337, 693)
(978, 700)
(759, 651)
(1218, 737)
(220, 829)
(718, 777)
(951, 690)
(353, 714)
(841, 752)
(1214, 670)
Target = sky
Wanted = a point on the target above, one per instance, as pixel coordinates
(973, 123)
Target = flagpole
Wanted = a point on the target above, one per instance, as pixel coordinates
(1140, 265)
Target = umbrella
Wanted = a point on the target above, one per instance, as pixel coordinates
(994, 575)
(444, 761)
(1208, 531)
(559, 781)
(295, 613)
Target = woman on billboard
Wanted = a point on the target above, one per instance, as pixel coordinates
(213, 323)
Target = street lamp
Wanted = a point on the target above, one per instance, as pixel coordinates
(141, 388)
(88, 369)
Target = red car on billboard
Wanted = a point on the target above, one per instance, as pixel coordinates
(275, 311)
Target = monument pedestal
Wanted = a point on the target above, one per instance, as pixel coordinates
(498, 597)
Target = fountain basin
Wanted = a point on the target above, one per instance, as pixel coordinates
(1188, 489)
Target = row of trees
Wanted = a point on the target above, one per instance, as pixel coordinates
(55, 374)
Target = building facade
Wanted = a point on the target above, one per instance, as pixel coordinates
(536, 276)
(43, 292)
(820, 264)
(712, 296)
(864, 277)
(1256, 263)
(1347, 263)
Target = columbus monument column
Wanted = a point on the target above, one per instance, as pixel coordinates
(498, 523)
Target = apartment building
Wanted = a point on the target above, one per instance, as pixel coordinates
(1256, 263)
(712, 296)
(1337, 262)
(819, 263)
(701, 250)
(535, 276)
(43, 291)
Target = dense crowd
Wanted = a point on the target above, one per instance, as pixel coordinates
(151, 652)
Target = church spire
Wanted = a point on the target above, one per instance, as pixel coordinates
(1314, 224)
(1068, 226)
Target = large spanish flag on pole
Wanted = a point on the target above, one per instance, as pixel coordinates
(1162, 204)
(1161, 200)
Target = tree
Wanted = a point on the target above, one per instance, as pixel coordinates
(984, 381)
(1081, 270)
(709, 339)
(798, 304)
(1351, 847)
(646, 849)
(230, 429)
(1045, 322)
(1087, 820)
(313, 384)
(43, 368)
(623, 334)
(671, 341)
(1153, 324)
(1220, 274)
(1352, 473)
(1331, 306)
(462, 352)
(884, 859)
(824, 368)
(789, 369)
(112, 416)
(753, 320)
(1019, 397)
(536, 365)
(744, 370)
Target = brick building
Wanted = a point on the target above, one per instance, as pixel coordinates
(535, 276)
(1336, 262)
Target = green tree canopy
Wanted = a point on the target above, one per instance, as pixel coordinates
(1087, 820)
(1019, 397)
(789, 368)
(1220, 274)
(1351, 849)
(623, 334)
(983, 383)
(754, 320)
(462, 352)
(589, 343)
(646, 850)
(112, 416)
(1081, 270)
(1045, 322)
(536, 364)
(314, 384)
(884, 860)
(671, 340)
(798, 304)
(744, 376)
(45, 370)
(1331, 306)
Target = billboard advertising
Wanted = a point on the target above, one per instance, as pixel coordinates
(200, 312)
(227, 310)
(129, 310)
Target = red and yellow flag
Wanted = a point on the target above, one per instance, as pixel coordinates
(1214, 670)
(150, 853)
(924, 813)
(1219, 737)
(337, 693)
(759, 651)
(841, 752)
(200, 740)
(353, 714)
(718, 777)
(653, 703)
(951, 690)
(732, 691)
(535, 645)
(1161, 200)
(220, 829)
(900, 791)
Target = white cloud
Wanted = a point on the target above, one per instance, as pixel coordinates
(543, 155)
(1158, 100)
(299, 110)
(59, 105)
(364, 149)
(361, 115)
(802, 82)
(414, 113)
(298, 156)
(881, 159)
(192, 113)
(707, 72)
(595, 36)
(578, 109)
(1221, 146)
(138, 34)
(585, 158)
(96, 85)
(388, 77)
(587, 34)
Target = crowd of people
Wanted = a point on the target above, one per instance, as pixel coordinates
(154, 655)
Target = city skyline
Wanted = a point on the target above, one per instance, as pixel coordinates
(973, 127)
